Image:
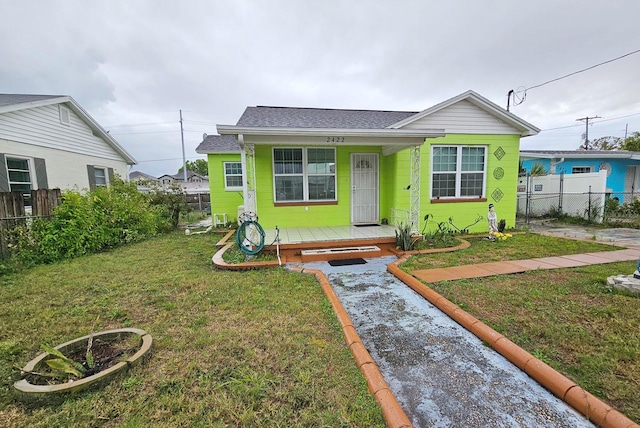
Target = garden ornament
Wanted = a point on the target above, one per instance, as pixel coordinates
(492, 217)
(636, 274)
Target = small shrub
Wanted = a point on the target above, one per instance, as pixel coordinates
(404, 237)
(172, 204)
(87, 223)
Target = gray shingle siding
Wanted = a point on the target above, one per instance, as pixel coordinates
(291, 117)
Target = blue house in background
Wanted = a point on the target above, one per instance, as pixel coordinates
(623, 167)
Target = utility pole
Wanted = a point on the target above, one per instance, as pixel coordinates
(184, 159)
(586, 134)
(626, 130)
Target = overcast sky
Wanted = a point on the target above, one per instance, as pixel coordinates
(133, 64)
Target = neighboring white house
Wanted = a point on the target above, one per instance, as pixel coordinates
(195, 183)
(49, 141)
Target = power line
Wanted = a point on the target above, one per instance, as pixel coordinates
(583, 70)
(515, 94)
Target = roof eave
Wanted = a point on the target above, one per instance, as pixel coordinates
(217, 152)
(101, 131)
(34, 104)
(330, 132)
(533, 154)
(80, 112)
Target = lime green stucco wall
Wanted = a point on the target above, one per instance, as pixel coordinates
(307, 215)
(395, 176)
(223, 201)
(465, 213)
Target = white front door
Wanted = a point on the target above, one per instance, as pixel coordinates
(364, 188)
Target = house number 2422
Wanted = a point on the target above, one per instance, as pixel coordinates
(335, 139)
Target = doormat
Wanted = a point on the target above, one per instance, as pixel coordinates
(347, 262)
(366, 225)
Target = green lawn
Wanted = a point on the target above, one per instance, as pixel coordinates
(257, 348)
(263, 348)
(568, 318)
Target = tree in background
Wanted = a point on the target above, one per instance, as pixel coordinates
(632, 142)
(199, 166)
(603, 143)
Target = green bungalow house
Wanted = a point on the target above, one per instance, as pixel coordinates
(310, 167)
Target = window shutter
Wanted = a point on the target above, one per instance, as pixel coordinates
(92, 177)
(110, 175)
(4, 177)
(41, 173)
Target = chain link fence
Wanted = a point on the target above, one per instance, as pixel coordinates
(595, 207)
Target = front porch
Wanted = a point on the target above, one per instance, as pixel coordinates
(312, 236)
(304, 244)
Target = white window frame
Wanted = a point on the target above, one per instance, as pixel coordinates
(224, 170)
(588, 169)
(30, 171)
(305, 175)
(458, 172)
(95, 176)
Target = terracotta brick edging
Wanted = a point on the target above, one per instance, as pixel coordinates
(461, 246)
(596, 410)
(393, 414)
(219, 262)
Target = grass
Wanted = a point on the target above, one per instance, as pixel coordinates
(258, 348)
(519, 246)
(568, 318)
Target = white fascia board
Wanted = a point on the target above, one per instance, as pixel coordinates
(595, 154)
(100, 130)
(218, 152)
(330, 132)
(529, 155)
(481, 102)
(34, 104)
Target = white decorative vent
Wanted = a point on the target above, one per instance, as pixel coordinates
(64, 115)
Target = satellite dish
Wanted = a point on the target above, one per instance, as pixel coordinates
(204, 136)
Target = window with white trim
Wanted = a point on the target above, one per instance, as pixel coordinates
(304, 174)
(458, 171)
(232, 175)
(100, 175)
(581, 170)
(19, 174)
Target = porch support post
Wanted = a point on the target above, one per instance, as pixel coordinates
(414, 203)
(247, 158)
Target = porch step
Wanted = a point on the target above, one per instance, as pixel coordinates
(339, 253)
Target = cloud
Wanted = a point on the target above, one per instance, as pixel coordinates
(139, 62)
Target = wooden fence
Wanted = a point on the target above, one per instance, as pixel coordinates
(18, 208)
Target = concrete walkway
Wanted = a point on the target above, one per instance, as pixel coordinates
(440, 373)
(517, 266)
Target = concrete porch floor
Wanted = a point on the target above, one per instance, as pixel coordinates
(314, 235)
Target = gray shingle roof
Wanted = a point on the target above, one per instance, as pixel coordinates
(13, 99)
(218, 144)
(293, 117)
(135, 174)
